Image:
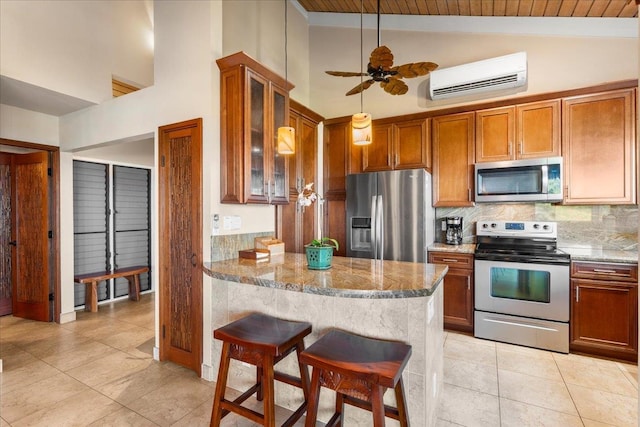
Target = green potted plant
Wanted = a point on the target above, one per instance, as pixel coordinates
(320, 253)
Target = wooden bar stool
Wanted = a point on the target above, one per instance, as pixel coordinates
(360, 370)
(262, 341)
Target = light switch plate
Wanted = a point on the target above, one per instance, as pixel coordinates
(232, 222)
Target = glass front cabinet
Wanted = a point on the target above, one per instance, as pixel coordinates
(254, 103)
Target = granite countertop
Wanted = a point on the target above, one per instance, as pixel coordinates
(348, 277)
(465, 248)
(593, 254)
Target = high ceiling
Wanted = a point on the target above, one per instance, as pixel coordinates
(534, 8)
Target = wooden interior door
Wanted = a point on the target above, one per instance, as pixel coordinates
(180, 176)
(30, 268)
(5, 234)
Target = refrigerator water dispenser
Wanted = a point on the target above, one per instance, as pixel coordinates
(361, 233)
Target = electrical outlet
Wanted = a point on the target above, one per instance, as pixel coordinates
(443, 225)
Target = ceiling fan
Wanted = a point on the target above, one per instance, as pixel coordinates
(380, 69)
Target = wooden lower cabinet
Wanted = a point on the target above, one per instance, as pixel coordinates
(458, 289)
(604, 310)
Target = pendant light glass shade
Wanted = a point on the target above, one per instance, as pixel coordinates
(361, 129)
(286, 140)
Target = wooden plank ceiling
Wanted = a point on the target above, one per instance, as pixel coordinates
(549, 8)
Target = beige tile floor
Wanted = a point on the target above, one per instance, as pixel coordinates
(496, 384)
(99, 371)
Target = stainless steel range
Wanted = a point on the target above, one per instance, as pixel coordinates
(521, 284)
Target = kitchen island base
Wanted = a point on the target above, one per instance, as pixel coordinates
(416, 321)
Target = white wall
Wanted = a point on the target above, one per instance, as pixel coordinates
(73, 47)
(554, 63)
(257, 28)
(23, 125)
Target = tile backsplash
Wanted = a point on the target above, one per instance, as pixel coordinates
(603, 226)
(227, 246)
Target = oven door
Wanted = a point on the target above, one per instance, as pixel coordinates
(522, 289)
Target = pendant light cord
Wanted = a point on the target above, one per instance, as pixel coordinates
(286, 59)
(361, 54)
(378, 23)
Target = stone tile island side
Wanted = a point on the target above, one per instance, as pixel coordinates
(381, 299)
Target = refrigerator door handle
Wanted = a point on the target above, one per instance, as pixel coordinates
(374, 226)
(380, 227)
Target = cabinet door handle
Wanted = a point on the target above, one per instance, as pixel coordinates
(396, 164)
(510, 150)
(577, 293)
(520, 148)
(468, 283)
(600, 270)
(469, 194)
(449, 260)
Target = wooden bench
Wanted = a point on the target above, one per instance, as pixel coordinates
(132, 274)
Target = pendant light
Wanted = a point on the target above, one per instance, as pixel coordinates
(286, 134)
(361, 122)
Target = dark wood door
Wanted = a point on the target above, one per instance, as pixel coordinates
(5, 234)
(180, 177)
(30, 268)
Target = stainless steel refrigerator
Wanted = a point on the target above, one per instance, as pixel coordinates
(390, 215)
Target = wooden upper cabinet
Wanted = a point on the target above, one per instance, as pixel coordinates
(412, 144)
(378, 156)
(341, 157)
(254, 102)
(399, 145)
(453, 159)
(522, 131)
(495, 134)
(599, 148)
(538, 129)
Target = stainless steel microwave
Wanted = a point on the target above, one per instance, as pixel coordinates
(531, 180)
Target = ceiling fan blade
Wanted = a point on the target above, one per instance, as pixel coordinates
(395, 87)
(381, 57)
(345, 74)
(362, 86)
(415, 69)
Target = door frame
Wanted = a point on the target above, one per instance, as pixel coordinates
(55, 213)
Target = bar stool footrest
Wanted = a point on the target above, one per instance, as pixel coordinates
(389, 411)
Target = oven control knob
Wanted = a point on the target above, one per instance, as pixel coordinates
(485, 225)
(546, 227)
(494, 225)
(536, 226)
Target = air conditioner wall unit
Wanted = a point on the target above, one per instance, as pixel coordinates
(502, 72)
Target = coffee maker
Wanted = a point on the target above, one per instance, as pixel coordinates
(453, 230)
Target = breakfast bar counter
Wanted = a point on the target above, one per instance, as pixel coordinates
(379, 299)
(348, 277)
